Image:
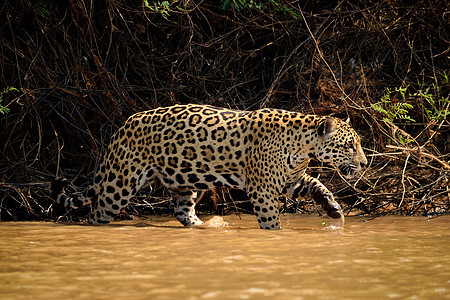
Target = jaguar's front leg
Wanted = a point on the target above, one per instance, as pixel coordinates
(309, 186)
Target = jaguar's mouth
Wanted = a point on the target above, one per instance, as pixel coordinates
(349, 170)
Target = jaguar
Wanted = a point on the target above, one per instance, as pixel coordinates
(193, 148)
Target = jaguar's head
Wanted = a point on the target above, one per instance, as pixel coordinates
(340, 146)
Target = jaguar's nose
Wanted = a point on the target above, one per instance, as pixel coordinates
(363, 161)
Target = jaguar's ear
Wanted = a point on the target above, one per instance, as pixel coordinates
(327, 128)
(348, 120)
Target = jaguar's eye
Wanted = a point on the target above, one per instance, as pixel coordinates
(351, 148)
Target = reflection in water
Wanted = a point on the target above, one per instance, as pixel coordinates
(389, 257)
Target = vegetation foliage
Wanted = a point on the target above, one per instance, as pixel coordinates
(72, 71)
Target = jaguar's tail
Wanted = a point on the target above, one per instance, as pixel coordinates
(58, 194)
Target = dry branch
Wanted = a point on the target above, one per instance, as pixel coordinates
(82, 68)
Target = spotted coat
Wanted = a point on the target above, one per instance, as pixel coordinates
(190, 148)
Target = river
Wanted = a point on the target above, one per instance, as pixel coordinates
(383, 258)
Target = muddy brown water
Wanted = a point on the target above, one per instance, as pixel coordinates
(385, 258)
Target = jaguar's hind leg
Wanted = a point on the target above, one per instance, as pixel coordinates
(110, 202)
(115, 193)
(185, 207)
